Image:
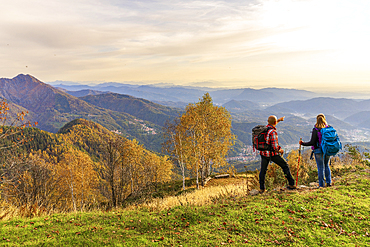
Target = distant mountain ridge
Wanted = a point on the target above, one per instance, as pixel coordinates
(341, 108)
(360, 119)
(192, 94)
(82, 93)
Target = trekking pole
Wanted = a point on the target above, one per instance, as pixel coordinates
(299, 158)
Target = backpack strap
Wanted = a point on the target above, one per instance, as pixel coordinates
(269, 131)
(319, 136)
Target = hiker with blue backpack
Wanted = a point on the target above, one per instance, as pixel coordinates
(325, 143)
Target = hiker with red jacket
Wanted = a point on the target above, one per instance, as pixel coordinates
(274, 155)
(321, 162)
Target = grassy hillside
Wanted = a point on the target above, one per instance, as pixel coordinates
(226, 216)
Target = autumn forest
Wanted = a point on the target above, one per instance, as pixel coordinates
(86, 166)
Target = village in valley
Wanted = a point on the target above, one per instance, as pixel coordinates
(146, 129)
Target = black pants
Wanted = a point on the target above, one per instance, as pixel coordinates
(277, 159)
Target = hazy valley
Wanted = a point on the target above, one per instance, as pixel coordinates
(249, 107)
(130, 110)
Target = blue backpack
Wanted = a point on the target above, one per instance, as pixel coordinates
(330, 143)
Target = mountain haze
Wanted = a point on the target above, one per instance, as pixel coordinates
(242, 105)
(193, 94)
(84, 92)
(330, 106)
(360, 119)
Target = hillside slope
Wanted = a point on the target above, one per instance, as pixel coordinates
(140, 108)
(87, 136)
(53, 108)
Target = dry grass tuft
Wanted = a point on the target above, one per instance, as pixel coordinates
(8, 211)
(204, 196)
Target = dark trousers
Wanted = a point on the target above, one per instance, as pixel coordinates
(277, 159)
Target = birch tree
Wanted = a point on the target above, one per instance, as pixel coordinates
(205, 133)
(110, 166)
(78, 173)
(132, 153)
(175, 145)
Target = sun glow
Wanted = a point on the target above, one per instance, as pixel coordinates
(259, 43)
(317, 25)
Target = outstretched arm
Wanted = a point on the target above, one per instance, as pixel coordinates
(280, 119)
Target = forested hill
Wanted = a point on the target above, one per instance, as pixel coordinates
(79, 134)
(83, 164)
(53, 108)
(140, 108)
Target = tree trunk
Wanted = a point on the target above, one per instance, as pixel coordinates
(114, 200)
(132, 180)
(73, 199)
(183, 176)
(197, 178)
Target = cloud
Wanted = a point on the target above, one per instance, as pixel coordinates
(76, 23)
(84, 30)
(239, 41)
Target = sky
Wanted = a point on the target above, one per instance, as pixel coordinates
(304, 44)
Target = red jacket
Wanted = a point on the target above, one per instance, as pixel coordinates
(272, 139)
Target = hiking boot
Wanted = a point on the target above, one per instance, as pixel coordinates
(328, 185)
(262, 191)
(291, 187)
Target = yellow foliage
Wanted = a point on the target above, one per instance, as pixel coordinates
(201, 138)
(78, 177)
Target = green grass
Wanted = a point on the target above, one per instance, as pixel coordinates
(332, 216)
